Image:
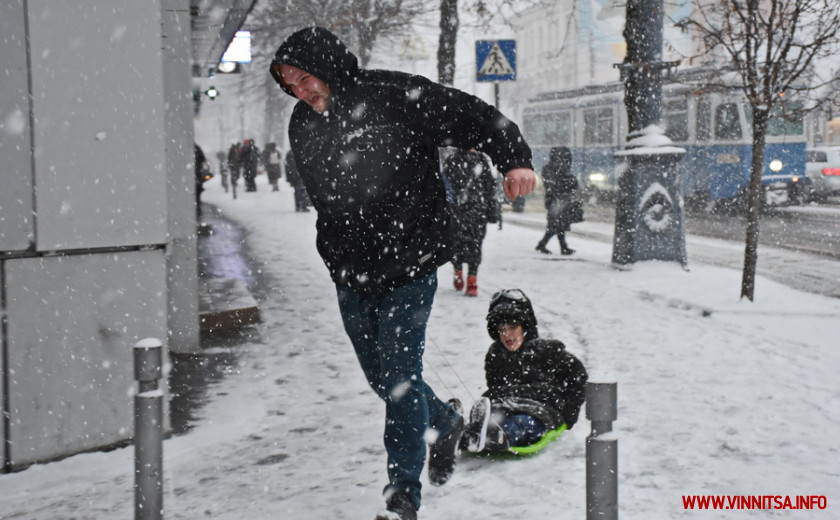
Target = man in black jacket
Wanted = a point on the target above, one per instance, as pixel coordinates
(366, 146)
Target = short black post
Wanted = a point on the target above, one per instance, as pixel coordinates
(601, 452)
(148, 431)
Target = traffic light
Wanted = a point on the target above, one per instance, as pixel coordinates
(211, 93)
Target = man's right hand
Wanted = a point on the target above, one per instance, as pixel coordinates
(519, 182)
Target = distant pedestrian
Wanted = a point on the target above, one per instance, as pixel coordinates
(366, 145)
(271, 160)
(250, 162)
(561, 203)
(223, 168)
(202, 173)
(234, 162)
(293, 178)
(474, 186)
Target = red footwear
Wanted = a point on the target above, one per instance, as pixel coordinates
(458, 282)
(472, 286)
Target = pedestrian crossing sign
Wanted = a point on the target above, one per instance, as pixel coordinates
(495, 60)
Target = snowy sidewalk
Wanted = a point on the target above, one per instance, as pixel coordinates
(806, 271)
(716, 396)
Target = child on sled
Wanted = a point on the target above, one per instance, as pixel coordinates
(535, 388)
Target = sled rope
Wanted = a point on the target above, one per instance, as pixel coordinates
(452, 368)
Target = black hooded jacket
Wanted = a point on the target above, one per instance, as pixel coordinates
(474, 187)
(560, 186)
(370, 162)
(540, 370)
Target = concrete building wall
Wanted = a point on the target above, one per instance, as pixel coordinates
(97, 218)
(97, 105)
(17, 229)
(181, 258)
(72, 320)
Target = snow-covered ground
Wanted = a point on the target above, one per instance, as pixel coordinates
(810, 272)
(717, 396)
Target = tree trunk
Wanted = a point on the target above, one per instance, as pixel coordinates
(447, 41)
(366, 32)
(755, 202)
(643, 80)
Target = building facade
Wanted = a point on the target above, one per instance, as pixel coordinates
(575, 43)
(97, 215)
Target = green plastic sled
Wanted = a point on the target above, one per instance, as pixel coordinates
(549, 437)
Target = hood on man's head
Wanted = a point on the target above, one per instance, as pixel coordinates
(511, 307)
(320, 53)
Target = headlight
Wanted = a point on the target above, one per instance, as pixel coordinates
(597, 177)
(776, 165)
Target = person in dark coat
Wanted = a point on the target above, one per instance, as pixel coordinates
(234, 162)
(534, 385)
(293, 178)
(474, 192)
(272, 161)
(561, 203)
(202, 171)
(250, 161)
(366, 146)
(223, 168)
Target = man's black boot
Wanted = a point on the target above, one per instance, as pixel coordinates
(399, 506)
(444, 450)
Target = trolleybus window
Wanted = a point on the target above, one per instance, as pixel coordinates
(676, 119)
(598, 126)
(785, 125)
(550, 129)
(727, 124)
(782, 121)
(704, 118)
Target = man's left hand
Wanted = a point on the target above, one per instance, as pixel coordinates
(519, 182)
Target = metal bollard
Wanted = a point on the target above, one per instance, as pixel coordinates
(601, 453)
(148, 431)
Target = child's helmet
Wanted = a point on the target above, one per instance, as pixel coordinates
(511, 306)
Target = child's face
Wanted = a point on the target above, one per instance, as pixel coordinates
(512, 336)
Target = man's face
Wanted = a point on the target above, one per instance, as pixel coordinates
(307, 87)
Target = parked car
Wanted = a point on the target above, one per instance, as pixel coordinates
(822, 168)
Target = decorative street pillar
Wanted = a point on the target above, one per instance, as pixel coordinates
(601, 452)
(148, 430)
(649, 222)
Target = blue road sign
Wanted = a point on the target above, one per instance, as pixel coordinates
(495, 60)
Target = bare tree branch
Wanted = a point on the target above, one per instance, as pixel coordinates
(775, 47)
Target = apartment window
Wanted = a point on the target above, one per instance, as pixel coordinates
(598, 126)
(549, 129)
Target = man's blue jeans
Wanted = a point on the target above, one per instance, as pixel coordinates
(388, 333)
